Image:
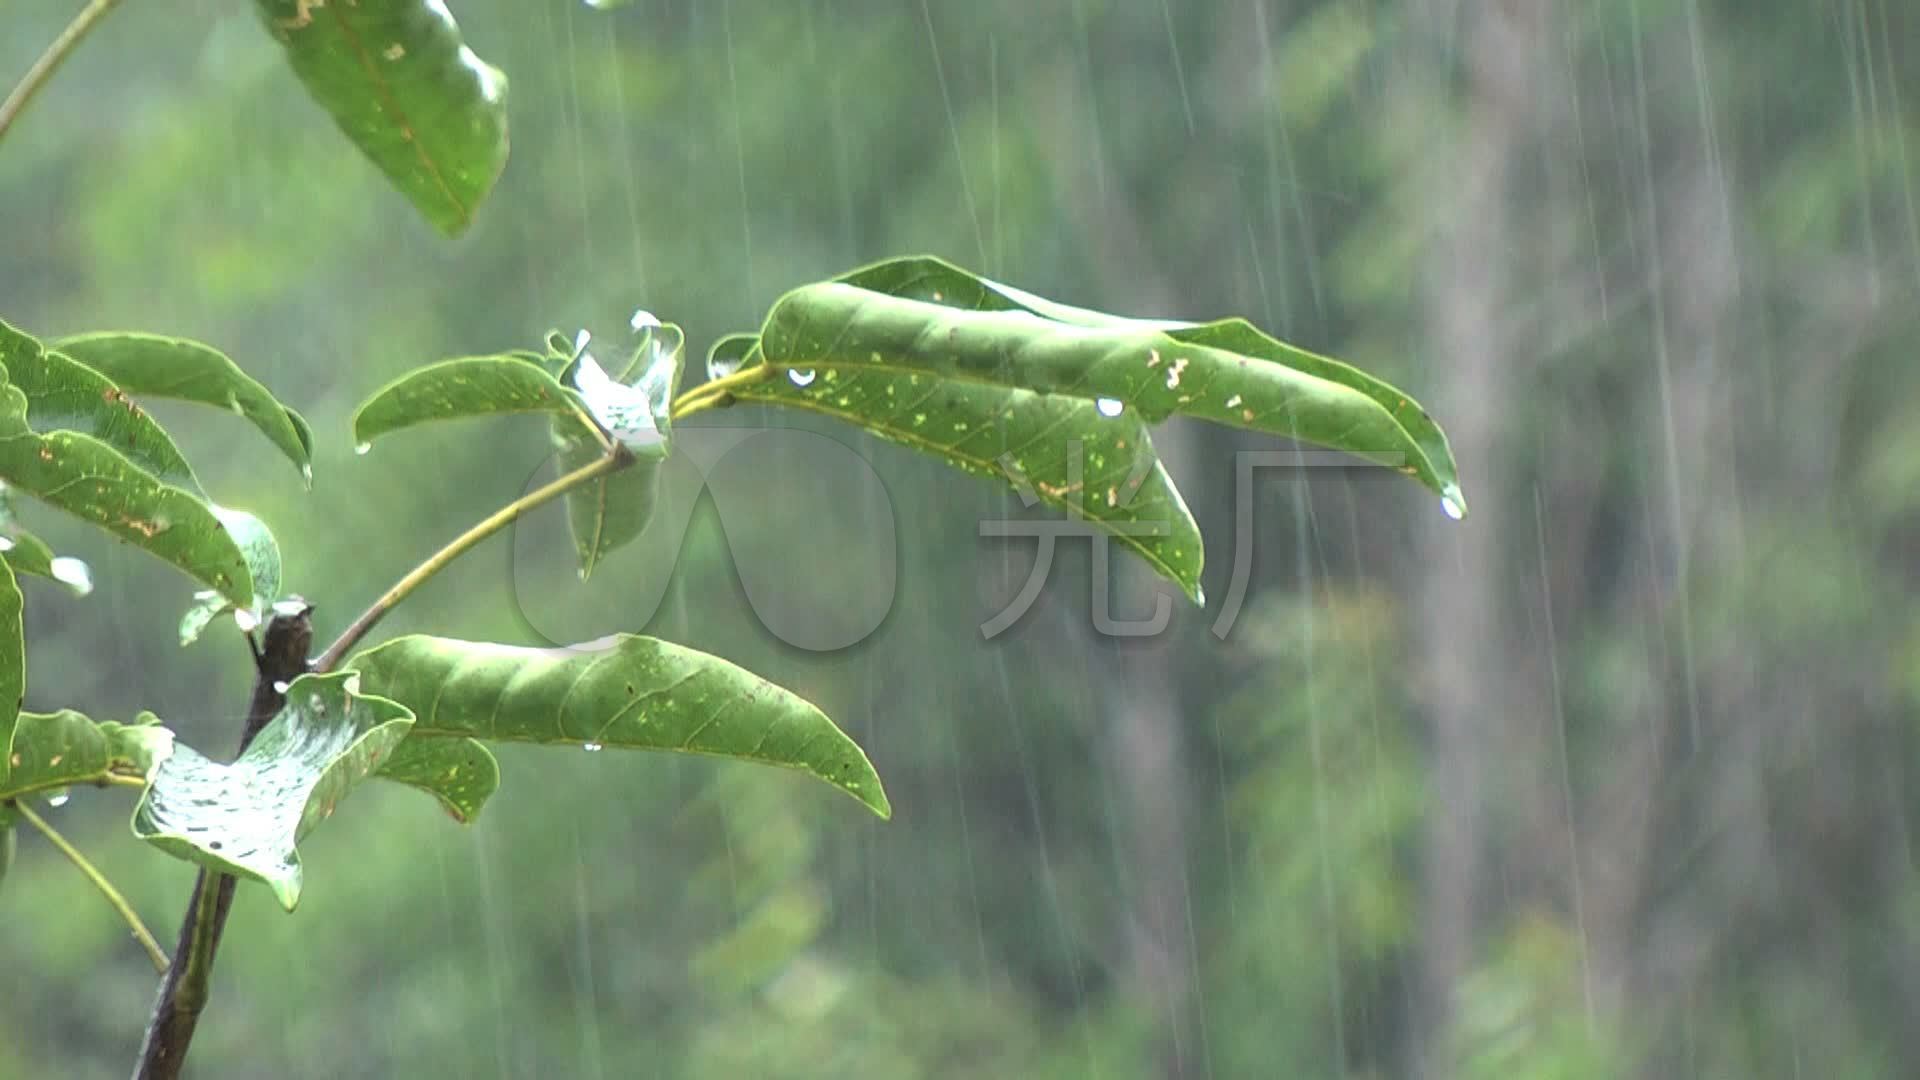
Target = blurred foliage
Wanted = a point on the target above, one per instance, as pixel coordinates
(1653, 264)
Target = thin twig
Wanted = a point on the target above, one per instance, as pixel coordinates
(93, 874)
(50, 61)
(618, 458)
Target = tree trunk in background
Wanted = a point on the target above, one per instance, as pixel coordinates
(1456, 595)
(1138, 693)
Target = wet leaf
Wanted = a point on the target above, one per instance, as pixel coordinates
(246, 818)
(28, 554)
(68, 395)
(461, 773)
(1059, 450)
(623, 691)
(397, 78)
(95, 482)
(635, 407)
(63, 749)
(1227, 372)
(150, 365)
(454, 389)
(13, 665)
(262, 553)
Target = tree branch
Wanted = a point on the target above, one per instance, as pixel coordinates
(50, 61)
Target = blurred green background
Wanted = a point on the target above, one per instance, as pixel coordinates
(1615, 778)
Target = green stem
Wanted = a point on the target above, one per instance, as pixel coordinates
(93, 874)
(50, 61)
(715, 392)
(618, 458)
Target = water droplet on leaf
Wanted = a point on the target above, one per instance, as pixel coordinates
(362, 448)
(72, 573)
(6, 543)
(1452, 504)
(1109, 407)
(800, 378)
(58, 799)
(280, 686)
(591, 748)
(245, 619)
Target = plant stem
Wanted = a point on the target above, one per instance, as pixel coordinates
(93, 874)
(712, 393)
(183, 992)
(50, 61)
(618, 458)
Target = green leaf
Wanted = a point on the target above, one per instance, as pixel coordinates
(468, 386)
(68, 395)
(925, 277)
(62, 749)
(614, 509)
(948, 323)
(182, 370)
(93, 481)
(262, 553)
(407, 91)
(28, 554)
(1060, 450)
(246, 818)
(13, 666)
(623, 691)
(461, 773)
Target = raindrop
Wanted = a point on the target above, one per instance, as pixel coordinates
(280, 686)
(72, 573)
(58, 799)
(1451, 504)
(362, 448)
(245, 619)
(800, 378)
(306, 473)
(591, 748)
(1109, 407)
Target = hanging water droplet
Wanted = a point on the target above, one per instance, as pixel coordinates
(280, 686)
(72, 573)
(245, 619)
(800, 377)
(361, 448)
(306, 473)
(59, 798)
(1109, 407)
(591, 748)
(1452, 504)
